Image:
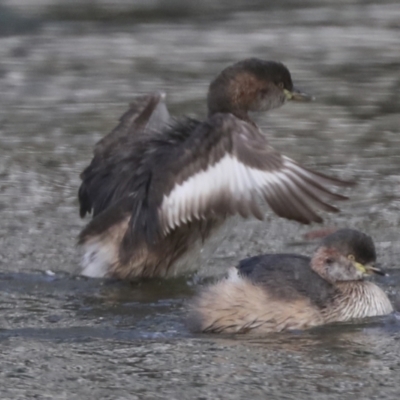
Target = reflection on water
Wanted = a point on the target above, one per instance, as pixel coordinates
(65, 78)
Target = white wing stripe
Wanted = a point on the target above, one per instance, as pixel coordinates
(229, 176)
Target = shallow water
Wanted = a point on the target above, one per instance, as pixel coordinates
(66, 77)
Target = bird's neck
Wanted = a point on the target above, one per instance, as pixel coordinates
(240, 114)
(225, 97)
(357, 299)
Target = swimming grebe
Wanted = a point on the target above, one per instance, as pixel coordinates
(157, 188)
(276, 292)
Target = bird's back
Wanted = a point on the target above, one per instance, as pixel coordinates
(287, 277)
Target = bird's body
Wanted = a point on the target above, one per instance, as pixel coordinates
(159, 188)
(276, 292)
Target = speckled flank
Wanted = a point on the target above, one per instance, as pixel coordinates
(101, 252)
(239, 306)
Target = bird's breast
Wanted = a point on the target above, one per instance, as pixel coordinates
(357, 300)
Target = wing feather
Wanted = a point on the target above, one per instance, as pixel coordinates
(146, 113)
(118, 154)
(247, 168)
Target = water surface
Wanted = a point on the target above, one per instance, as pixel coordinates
(66, 75)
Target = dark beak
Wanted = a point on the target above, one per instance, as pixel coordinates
(375, 270)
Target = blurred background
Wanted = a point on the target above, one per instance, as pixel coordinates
(68, 70)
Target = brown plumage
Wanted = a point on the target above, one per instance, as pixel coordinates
(276, 292)
(167, 186)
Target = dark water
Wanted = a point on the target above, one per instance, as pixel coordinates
(67, 74)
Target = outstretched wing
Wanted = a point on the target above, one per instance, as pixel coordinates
(147, 114)
(229, 167)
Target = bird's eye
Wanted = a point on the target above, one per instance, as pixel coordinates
(351, 257)
(329, 261)
(281, 85)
